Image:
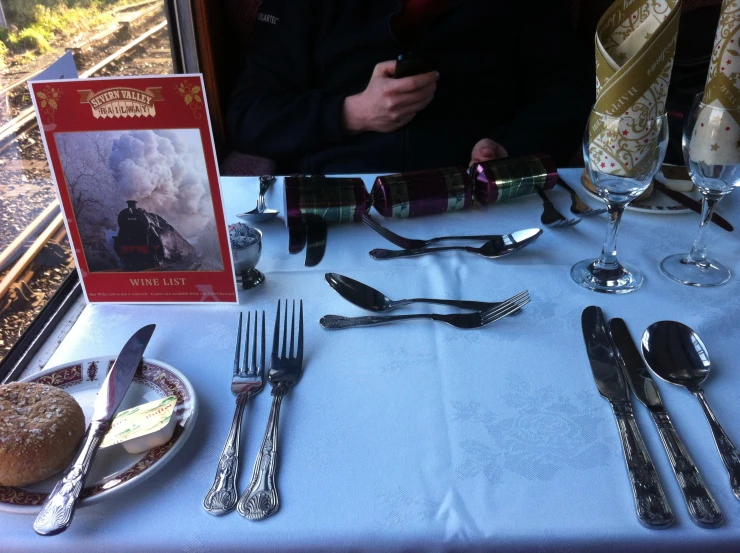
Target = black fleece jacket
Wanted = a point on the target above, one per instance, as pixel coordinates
(508, 69)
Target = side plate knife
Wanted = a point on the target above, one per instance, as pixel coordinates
(58, 509)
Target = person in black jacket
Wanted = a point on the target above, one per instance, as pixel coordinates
(319, 95)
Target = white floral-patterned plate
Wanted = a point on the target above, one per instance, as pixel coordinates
(113, 469)
(656, 203)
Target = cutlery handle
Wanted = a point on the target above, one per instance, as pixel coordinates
(726, 448)
(474, 237)
(222, 496)
(335, 322)
(260, 500)
(58, 509)
(577, 205)
(650, 501)
(380, 253)
(702, 507)
(462, 304)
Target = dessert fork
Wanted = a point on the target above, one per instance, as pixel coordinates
(476, 319)
(412, 243)
(577, 205)
(247, 380)
(260, 500)
(551, 217)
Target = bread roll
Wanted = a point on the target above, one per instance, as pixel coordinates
(40, 428)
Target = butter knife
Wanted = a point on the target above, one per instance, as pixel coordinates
(692, 204)
(701, 505)
(316, 240)
(651, 504)
(296, 236)
(58, 509)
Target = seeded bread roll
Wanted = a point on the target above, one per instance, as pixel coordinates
(586, 182)
(40, 428)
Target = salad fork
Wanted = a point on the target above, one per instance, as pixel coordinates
(551, 217)
(413, 243)
(260, 500)
(247, 380)
(476, 319)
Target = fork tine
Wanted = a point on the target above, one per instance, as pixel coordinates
(299, 353)
(261, 368)
(285, 329)
(384, 232)
(292, 330)
(506, 308)
(244, 369)
(276, 335)
(253, 366)
(238, 345)
(512, 301)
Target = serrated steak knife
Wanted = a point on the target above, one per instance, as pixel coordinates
(58, 509)
(702, 507)
(651, 504)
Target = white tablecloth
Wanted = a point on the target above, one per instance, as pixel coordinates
(420, 436)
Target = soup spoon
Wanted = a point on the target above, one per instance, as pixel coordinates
(676, 354)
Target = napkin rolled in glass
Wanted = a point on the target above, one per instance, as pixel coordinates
(436, 191)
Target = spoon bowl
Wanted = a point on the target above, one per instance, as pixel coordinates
(677, 355)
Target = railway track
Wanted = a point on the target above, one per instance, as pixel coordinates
(38, 259)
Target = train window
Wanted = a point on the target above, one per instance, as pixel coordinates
(107, 38)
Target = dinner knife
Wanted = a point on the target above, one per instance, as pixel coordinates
(316, 239)
(692, 204)
(58, 509)
(701, 505)
(651, 504)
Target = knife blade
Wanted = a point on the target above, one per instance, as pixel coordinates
(692, 204)
(316, 239)
(651, 504)
(702, 507)
(58, 509)
(296, 237)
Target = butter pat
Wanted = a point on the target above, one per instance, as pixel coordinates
(143, 427)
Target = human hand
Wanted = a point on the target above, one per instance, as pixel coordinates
(485, 150)
(387, 104)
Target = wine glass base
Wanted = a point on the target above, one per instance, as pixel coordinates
(622, 280)
(707, 273)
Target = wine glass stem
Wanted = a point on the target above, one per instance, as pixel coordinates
(608, 258)
(698, 254)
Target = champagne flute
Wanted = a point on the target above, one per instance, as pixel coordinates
(711, 150)
(622, 154)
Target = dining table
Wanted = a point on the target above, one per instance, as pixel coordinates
(419, 436)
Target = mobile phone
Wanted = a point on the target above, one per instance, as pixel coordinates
(409, 64)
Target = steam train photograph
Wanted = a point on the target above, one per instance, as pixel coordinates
(146, 240)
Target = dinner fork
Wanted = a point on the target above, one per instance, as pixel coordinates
(465, 320)
(577, 205)
(412, 243)
(260, 500)
(247, 380)
(551, 217)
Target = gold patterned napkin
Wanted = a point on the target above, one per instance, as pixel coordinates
(716, 138)
(635, 46)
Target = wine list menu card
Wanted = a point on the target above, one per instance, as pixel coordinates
(135, 171)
